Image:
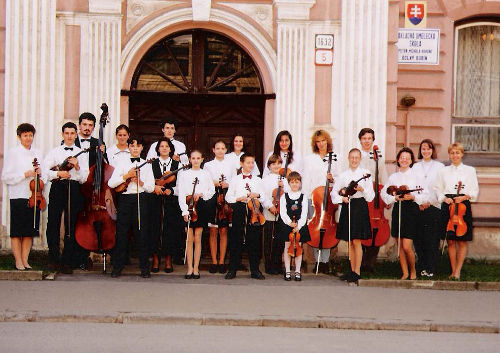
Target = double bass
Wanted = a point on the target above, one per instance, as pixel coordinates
(95, 228)
(322, 226)
(379, 224)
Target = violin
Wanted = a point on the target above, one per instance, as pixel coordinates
(294, 249)
(351, 188)
(223, 211)
(169, 176)
(379, 224)
(401, 190)
(36, 199)
(456, 224)
(66, 165)
(95, 228)
(256, 216)
(123, 186)
(278, 192)
(322, 225)
(191, 202)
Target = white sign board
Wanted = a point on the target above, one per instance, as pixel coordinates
(324, 57)
(324, 41)
(418, 46)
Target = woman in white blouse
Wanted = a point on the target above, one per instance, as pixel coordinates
(429, 224)
(405, 228)
(449, 180)
(18, 171)
(237, 146)
(283, 147)
(119, 150)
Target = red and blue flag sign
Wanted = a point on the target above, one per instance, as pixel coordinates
(415, 12)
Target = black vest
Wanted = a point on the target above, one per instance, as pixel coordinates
(294, 207)
(157, 172)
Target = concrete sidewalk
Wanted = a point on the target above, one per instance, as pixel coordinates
(322, 302)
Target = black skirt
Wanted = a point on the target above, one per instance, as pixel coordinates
(445, 217)
(201, 210)
(360, 221)
(21, 219)
(283, 231)
(211, 207)
(409, 219)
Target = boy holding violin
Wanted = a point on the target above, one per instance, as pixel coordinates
(132, 206)
(292, 225)
(67, 168)
(273, 248)
(245, 194)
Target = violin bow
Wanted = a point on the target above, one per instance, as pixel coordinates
(36, 191)
(187, 237)
(399, 228)
(138, 175)
(349, 219)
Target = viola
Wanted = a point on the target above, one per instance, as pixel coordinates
(456, 223)
(322, 225)
(95, 228)
(123, 186)
(191, 202)
(294, 249)
(254, 208)
(36, 199)
(278, 192)
(351, 188)
(169, 176)
(401, 190)
(379, 224)
(223, 212)
(66, 165)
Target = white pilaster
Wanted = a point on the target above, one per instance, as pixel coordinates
(294, 111)
(361, 100)
(30, 78)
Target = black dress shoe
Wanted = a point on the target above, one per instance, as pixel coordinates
(354, 278)
(116, 273)
(66, 269)
(169, 269)
(345, 276)
(155, 269)
(145, 274)
(230, 275)
(188, 276)
(222, 269)
(257, 275)
(194, 276)
(213, 268)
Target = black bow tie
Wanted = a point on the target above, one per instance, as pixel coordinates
(247, 176)
(68, 148)
(83, 140)
(135, 159)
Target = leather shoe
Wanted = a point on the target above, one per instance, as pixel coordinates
(145, 274)
(194, 276)
(116, 273)
(257, 275)
(222, 269)
(188, 276)
(66, 269)
(230, 275)
(345, 276)
(169, 269)
(213, 268)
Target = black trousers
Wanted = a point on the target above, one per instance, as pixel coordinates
(73, 255)
(165, 220)
(273, 248)
(252, 238)
(427, 240)
(127, 216)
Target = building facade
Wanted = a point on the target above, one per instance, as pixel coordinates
(228, 66)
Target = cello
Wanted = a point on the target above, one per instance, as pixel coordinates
(322, 225)
(379, 224)
(95, 228)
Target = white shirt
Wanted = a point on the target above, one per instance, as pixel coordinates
(178, 146)
(411, 179)
(429, 171)
(270, 183)
(315, 170)
(114, 154)
(146, 175)
(295, 166)
(448, 178)
(185, 184)
(237, 189)
(344, 179)
(367, 162)
(84, 144)
(235, 161)
(57, 155)
(293, 195)
(19, 160)
(167, 163)
(218, 168)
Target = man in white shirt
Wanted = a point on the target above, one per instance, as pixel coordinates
(169, 127)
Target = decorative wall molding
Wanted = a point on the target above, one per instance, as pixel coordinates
(293, 9)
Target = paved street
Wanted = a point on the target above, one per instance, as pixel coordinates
(110, 338)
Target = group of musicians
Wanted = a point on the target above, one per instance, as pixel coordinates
(168, 200)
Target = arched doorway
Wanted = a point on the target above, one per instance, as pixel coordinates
(208, 82)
